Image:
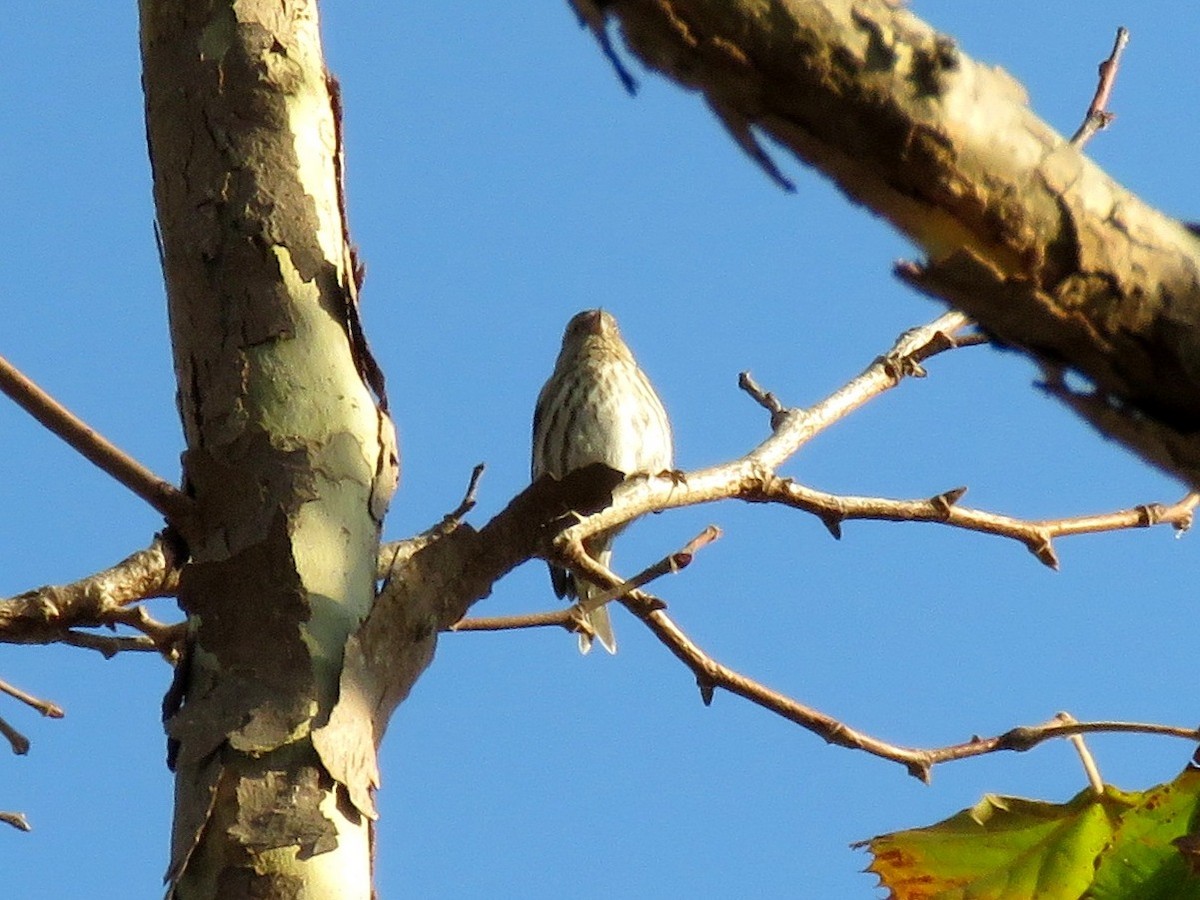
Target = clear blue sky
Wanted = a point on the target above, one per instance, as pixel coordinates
(500, 180)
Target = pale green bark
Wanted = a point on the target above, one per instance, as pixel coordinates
(289, 454)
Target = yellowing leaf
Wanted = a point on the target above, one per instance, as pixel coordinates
(1119, 845)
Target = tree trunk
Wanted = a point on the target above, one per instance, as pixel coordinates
(290, 456)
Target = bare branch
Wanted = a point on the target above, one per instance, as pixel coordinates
(1085, 755)
(397, 553)
(16, 820)
(752, 478)
(670, 564)
(109, 645)
(18, 741)
(560, 618)
(570, 618)
(1098, 116)
(50, 614)
(174, 505)
(711, 675)
(944, 509)
(45, 707)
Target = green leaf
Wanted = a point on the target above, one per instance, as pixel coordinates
(1131, 846)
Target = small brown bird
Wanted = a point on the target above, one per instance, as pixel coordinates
(598, 406)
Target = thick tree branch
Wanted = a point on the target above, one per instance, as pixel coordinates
(1020, 229)
(175, 506)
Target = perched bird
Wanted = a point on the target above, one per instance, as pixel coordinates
(597, 406)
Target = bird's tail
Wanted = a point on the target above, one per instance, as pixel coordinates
(597, 617)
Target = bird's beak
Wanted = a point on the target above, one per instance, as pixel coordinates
(594, 322)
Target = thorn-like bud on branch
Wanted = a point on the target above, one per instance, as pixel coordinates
(923, 772)
(833, 525)
(1020, 739)
(1044, 551)
(943, 501)
(706, 690)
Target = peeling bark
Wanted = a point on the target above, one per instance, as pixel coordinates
(1020, 229)
(289, 453)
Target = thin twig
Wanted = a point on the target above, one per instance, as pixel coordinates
(109, 645)
(1085, 755)
(1098, 115)
(45, 707)
(396, 553)
(668, 565)
(16, 820)
(559, 618)
(572, 619)
(18, 741)
(174, 505)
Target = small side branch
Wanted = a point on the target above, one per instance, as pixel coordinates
(396, 553)
(1098, 115)
(945, 509)
(16, 820)
(53, 613)
(45, 707)
(16, 740)
(175, 506)
(571, 618)
(559, 618)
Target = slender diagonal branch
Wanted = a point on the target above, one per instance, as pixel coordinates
(16, 820)
(1098, 116)
(45, 707)
(711, 675)
(16, 740)
(396, 553)
(571, 618)
(175, 506)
